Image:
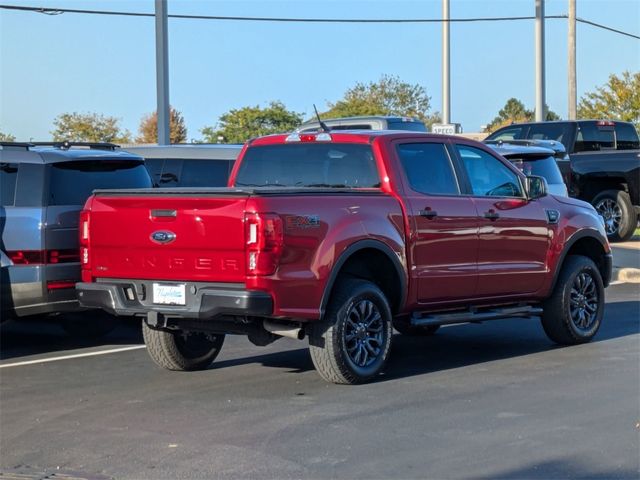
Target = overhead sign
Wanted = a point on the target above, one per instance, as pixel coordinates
(446, 128)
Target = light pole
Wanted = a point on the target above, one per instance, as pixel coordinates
(446, 82)
(539, 41)
(162, 72)
(572, 90)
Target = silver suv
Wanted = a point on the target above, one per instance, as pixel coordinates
(43, 187)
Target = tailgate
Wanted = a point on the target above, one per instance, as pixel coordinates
(168, 237)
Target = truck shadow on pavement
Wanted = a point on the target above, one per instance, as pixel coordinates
(562, 468)
(34, 337)
(458, 346)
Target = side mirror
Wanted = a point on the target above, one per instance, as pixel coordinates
(536, 187)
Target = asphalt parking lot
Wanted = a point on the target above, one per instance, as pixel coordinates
(474, 401)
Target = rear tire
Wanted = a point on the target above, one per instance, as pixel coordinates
(619, 215)
(351, 343)
(573, 313)
(181, 351)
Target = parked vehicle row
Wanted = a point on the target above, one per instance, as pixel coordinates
(342, 236)
(603, 167)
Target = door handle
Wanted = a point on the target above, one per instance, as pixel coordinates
(428, 213)
(491, 215)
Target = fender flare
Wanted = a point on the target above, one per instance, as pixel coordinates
(567, 246)
(348, 253)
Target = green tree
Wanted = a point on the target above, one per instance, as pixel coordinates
(7, 137)
(514, 111)
(88, 127)
(618, 99)
(387, 96)
(148, 130)
(239, 125)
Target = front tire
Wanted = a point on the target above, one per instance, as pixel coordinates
(181, 351)
(620, 219)
(352, 342)
(573, 313)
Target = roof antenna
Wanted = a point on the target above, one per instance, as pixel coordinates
(323, 125)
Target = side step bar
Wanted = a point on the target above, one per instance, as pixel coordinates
(473, 315)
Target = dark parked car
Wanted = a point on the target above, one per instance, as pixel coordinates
(43, 190)
(535, 157)
(197, 165)
(604, 166)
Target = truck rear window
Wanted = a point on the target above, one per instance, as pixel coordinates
(329, 165)
(71, 183)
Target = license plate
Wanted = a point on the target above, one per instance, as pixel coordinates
(169, 294)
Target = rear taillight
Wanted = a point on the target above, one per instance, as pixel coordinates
(85, 258)
(264, 242)
(60, 285)
(42, 257)
(27, 257)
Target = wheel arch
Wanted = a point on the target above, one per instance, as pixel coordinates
(590, 245)
(351, 262)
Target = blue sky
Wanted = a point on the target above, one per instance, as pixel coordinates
(55, 64)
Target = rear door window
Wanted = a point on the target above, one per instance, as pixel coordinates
(428, 168)
(71, 183)
(508, 133)
(560, 132)
(8, 179)
(591, 137)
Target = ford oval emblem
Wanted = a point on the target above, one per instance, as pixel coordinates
(163, 236)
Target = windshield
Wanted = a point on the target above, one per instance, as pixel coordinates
(71, 183)
(330, 165)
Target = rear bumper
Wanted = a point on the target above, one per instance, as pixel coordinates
(204, 301)
(25, 292)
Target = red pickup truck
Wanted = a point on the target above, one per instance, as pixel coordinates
(340, 237)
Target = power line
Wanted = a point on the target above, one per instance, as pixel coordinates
(604, 27)
(60, 11)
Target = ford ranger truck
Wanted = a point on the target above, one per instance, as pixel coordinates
(340, 237)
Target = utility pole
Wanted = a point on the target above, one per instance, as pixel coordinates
(573, 97)
(446, 83)
(162, 72)
(539, 41)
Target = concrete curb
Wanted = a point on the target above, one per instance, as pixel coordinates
(626, 262)
(626, 275)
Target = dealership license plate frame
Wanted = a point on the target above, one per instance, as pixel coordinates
(170, 294)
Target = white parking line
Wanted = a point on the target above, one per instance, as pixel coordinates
(68, 357)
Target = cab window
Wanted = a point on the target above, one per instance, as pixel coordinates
(488, 176)
(428, 168)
